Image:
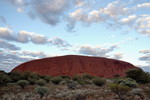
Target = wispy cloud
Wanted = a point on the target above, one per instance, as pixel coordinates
(118, 56)
(10, 58)
(59, 42)
(143, 5)
(145, 57)
(101, 51)
(115, 14)
(7, 45)
(25, 37)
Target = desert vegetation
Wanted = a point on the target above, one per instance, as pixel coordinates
(32, 86)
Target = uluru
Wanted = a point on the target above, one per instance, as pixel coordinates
(70, 65)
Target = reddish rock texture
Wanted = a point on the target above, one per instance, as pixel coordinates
(73, 64)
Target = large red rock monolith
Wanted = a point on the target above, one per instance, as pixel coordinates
(72, 64)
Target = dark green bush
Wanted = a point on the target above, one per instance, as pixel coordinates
(27, 75)
(4, 79)
(126, 82)
(46, 78)
(83, 78)
(79, 79)
(99, 81)
(65, 77)
(41, 82)
(23, 83)
(31, 77)
(15, 76)
(42, 91)
(139, 75)
(87, 76)
(56, 79)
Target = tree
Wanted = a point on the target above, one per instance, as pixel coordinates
(139, 75)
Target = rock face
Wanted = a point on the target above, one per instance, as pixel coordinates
(72, 64)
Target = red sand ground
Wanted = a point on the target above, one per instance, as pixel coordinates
(72, 64)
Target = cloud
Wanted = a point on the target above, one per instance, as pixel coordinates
(38, 54)
(10, 59)
(49, 11)
(87, 18)
(25, 37)
(6, 34)
(9, 46)
(143, 25)
(114, 14)
(147, 5)
(79, 3)
(96, 50)
(22, 36)
(109, 13)
(145, 57)
(59, 42)
(118, 56)
(115, 9)
(145, 51)
(129, 20)
(140, 23)
(17, 2)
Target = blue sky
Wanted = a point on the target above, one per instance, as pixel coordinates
(33, 29)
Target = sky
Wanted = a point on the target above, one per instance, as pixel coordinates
(33, 29)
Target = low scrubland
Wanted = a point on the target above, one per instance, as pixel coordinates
(31, 86)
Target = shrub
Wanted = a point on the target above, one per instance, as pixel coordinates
(56, 79)
(27, 75)
(41, 82)
(79, 79)
(139, 75)
(120, 90)
(31, 77)
(127, 82)
(23, 83)
(42, 91)
(15, 76)
(87, 76)
(4, 79)
(145, 78)
(47, 78)
(71, 84)
(65, 77)
(99, 81)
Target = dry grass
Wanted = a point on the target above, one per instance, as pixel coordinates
(61, 92)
